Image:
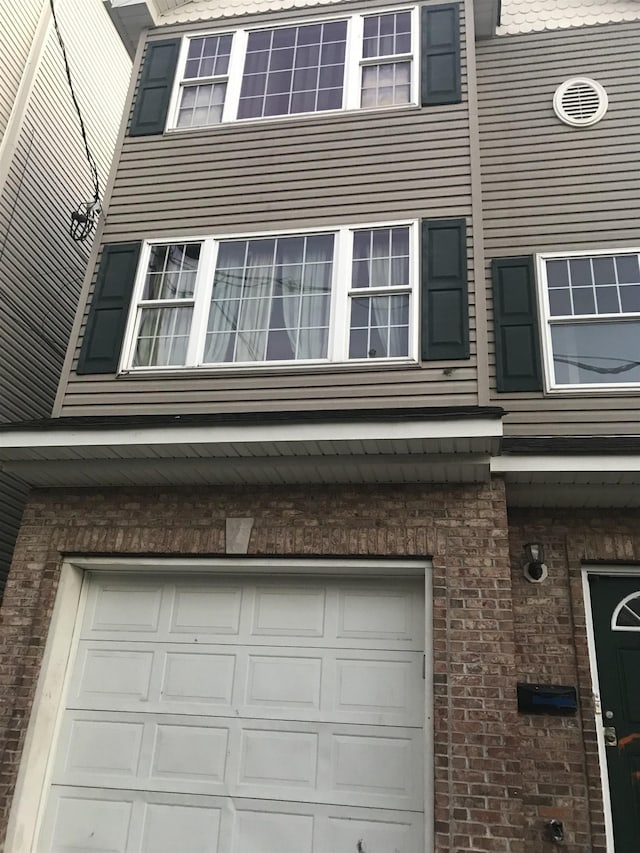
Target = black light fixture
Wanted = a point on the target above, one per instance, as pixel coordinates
(535, 570)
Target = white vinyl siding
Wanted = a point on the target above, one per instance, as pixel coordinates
(229, 714)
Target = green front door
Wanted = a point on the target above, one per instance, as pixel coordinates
(615, 602)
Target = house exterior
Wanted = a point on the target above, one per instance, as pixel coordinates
(43, 177)
(359, 325)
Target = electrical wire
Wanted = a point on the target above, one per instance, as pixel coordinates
(83, 219)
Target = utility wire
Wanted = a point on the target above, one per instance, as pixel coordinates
(84, 218)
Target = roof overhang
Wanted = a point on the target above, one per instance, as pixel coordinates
(580, 481)
(486, 14)
(131, 17)
(350, 449)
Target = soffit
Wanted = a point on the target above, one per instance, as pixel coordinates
(581, 480)
(345, 451)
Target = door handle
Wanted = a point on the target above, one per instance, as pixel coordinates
(610, 736)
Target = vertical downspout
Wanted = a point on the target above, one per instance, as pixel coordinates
(479, 273)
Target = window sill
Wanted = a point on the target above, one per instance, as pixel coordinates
(321, 118)
(266, 370)
(618, 390)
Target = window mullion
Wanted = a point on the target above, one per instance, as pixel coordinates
(414, 297)
(340, 309)
(355, 30)
(236, 68)
(201, 302)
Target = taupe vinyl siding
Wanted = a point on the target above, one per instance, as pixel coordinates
(550, 187)
(18, 23)
(321, 170)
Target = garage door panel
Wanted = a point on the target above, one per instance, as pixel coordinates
(167, 826)
(87, 824)
(360, 765)
(376, 614)
(384, 688)
(205, 611)
(148, 822)
(285, 611)
(132, 608)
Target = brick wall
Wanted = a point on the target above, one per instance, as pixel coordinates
(463, 529)
(558, 756)
(498, 776)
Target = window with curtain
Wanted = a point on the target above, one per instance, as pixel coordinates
(591, 304)
(353, 62)
(341, 295)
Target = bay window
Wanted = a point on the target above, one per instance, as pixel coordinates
(356, 61)
(337, 295)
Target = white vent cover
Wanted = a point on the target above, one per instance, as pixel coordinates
(580, 102)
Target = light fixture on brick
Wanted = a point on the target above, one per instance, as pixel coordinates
(535, 570)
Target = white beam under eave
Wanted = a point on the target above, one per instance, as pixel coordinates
(486, 14)
(130, 18)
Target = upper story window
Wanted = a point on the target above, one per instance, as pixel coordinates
(361, 61)
(335, 295)
(591, 307)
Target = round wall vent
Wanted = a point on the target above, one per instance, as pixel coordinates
(580, 102)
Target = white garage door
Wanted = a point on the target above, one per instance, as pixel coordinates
(217, 715)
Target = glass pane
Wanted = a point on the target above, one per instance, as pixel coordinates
(596, 352)
(270, 280)
(580, 271)
(607, 299)
(301, 69)
(630, 298)
(583, 300)
(381, 258)
(629, 614)
(379, 327)
(202, 105)
(627, 267)
(163, 337)
(387, 35)
(386, 85)
(604, 271)
(557, 274)
(172, 271)
(560, 302)
(208, 56)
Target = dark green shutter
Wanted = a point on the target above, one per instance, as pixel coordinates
(108, 315)
(440, 55)
(515, 315)
(445, 296)
(154, 89)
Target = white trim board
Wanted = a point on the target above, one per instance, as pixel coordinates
(356, 430)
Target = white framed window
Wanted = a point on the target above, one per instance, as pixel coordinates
(334, 295)
(590, 305)
(324, 65)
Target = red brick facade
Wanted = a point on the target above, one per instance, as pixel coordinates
(498, 775)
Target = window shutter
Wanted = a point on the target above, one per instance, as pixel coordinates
(440, 55)
(515, 315)
(445, 296)
(108, 315)
(154, 89)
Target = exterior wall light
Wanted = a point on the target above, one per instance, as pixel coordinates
(535, 570)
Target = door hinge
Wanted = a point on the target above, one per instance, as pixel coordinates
(424, 666)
